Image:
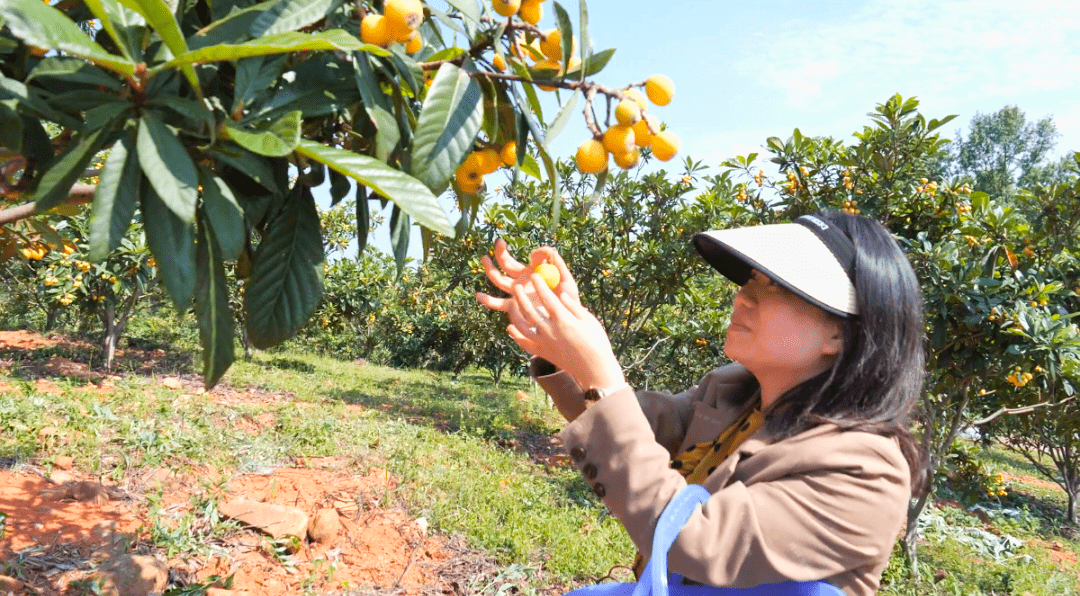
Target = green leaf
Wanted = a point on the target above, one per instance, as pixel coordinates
(41, 25)
(363, 219)
(281, 43)
(212, 305)
(73, 70)
(10, 88)
(597, 62)
(339, 187)
(172, 242)
(561, 119)
(530, 91)
(159, 15)
(167, 165)
(115, 199)
(57, 181)
(194, 111)
(286, 279)
(11, 127)
(467, 8)
(448, 124)
(405, 191)
(118, 22)
(249, 165)
(225, 215)
(253, 76)
(278, 140)
(289, 15)
(566, 31)
(387, 133)
(586, 41)
(399, 237)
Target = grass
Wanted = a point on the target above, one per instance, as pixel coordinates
(449, 442)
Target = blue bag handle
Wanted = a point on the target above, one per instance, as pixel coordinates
(656, 581)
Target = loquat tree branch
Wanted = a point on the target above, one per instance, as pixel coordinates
(80, 194)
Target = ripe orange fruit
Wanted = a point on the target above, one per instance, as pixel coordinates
(415, 43)
(375, 30)
(551, 44)
(619, 139)
(628, 112)
(638, 97)
(554, 71)
(642, 135)
(490, 160)
(470, 174)
(531, 12)
(498, 63)
(403, 16)
(592, 157)
(660, 89)
(549, 273)
(506, 8)
(627, 160)
(665, 145)
(509, 154)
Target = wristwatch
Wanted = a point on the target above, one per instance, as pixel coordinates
(594, 395)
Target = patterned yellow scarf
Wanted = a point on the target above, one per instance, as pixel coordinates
(695, 464)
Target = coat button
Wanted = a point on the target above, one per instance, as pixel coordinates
(599, 490)
(577, 454)
(589, 470)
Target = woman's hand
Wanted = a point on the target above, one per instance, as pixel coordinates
(513, 272)
(563, 332)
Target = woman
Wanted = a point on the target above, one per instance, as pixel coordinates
(803, 441)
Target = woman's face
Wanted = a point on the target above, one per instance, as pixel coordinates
(777, 335)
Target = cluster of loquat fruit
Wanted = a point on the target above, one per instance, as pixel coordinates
(634, 128)
(470, 174)
(398, 23)
(529, 11)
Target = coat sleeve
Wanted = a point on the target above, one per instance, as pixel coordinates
(668, 414)
(823, 516)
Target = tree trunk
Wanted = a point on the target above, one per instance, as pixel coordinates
(1072, 506)
(109, 344)
(244, 341)
(910, 545)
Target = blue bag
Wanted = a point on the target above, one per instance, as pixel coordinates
(656, 581)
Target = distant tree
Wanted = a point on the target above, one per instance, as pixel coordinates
(1003, 151)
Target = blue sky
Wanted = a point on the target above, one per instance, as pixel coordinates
(745, 71)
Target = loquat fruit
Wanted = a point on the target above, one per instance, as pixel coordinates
(665, 145)
(637, 96)
(374, 29)
(551, 44)
(414, 43)
(592, 158)
(628, 112)
(508, 155)
(555, 69)
(470, 174)
(627, 160)
(531, 12)
(619, 139)
(643, 136)
(549, 273)
(403, 17)
(490, 160)
(498, 63)
(506, 8)
(660, 89)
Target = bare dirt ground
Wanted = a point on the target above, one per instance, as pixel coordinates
(63, 525)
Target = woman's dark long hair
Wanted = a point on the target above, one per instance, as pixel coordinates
(876, 381)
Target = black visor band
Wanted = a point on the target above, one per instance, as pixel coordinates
(835, 239)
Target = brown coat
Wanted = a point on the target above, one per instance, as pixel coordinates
(823, 504)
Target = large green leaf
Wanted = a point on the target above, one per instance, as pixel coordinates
(172, 242)
(467, 8)
(448, 124)
(400, 226)
(253, 76)
(160, 16)
(586, 40)
(289, 15)
(405, 191)
(117, 21)
(281, 43)
(566, 30)
(67, 169)
(212, 306)
(561, 119)
(387, 133)
(115, 198)
(73, 70)
(286, 279)
(10, 88)
(41, 25)
(224, 214)
(11, 127)
(277, 140)
(168, 166)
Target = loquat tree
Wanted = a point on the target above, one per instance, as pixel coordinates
(220, 117)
